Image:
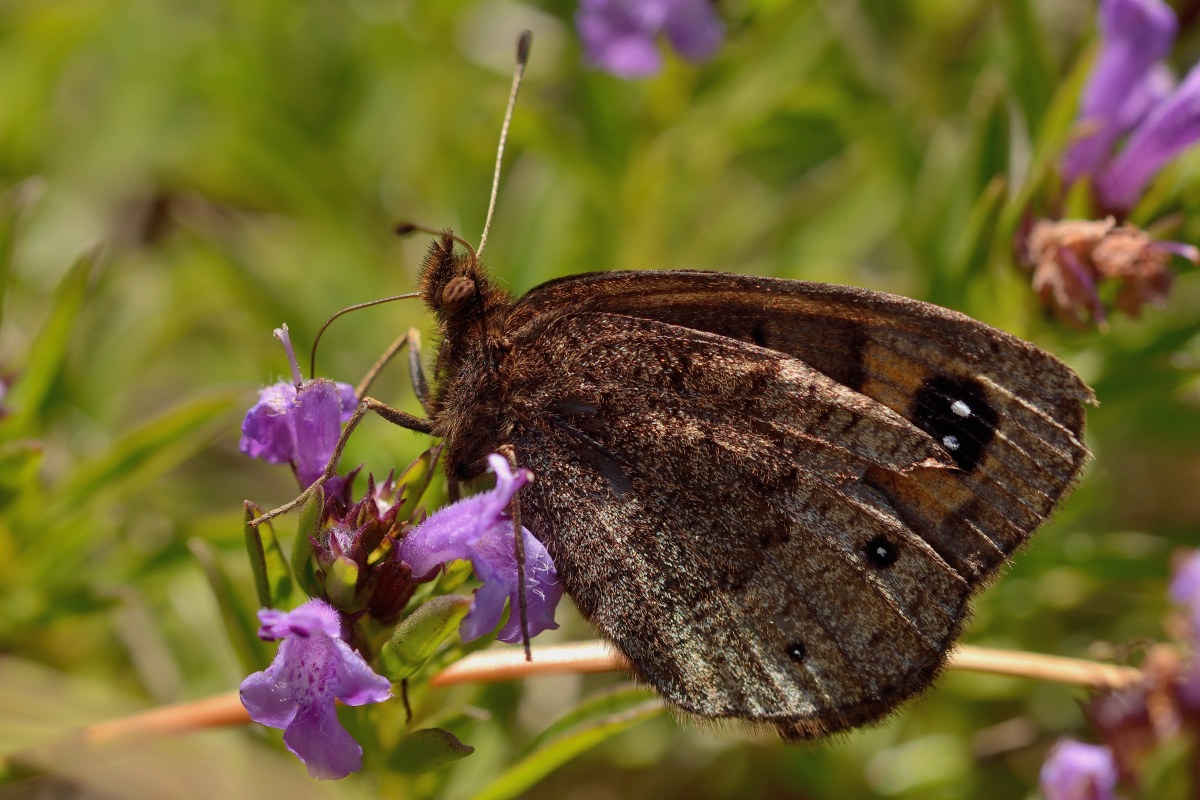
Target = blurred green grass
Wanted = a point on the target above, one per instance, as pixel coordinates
(242, 164)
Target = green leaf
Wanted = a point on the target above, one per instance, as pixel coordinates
(418, 636)
(149, 450)
(584, 728)
(454, 575)
(308, 527)
(12, 204)
(341, 582)
(599, 708)
(48, 351)
(415, 480)
(239, 621)
(426, 750)
(136, 458)
(272, 577)
(19, 463)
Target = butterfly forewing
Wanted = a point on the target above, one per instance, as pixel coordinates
(1010, 414)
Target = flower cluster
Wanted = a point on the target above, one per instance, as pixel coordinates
(1133, 722)
(621, 36)
(1073, 258)
(365, 555)
(1133, 120)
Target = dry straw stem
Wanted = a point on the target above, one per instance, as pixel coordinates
(503, 664)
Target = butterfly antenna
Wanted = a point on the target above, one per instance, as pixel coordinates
(405, 228)
(523, 45)
(312, 363)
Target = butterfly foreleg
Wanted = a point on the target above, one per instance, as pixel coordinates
(514, 509)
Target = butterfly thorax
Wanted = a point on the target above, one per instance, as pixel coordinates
(469, 390)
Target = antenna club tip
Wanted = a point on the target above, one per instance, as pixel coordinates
(523, 44)
(404, 228)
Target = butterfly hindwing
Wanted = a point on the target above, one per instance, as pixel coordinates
(711, 509)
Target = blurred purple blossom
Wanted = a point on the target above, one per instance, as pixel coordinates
(478, 529)
(297, 423)
(1130, 92)
(620, 36)
(1078, 771)
(312, 668)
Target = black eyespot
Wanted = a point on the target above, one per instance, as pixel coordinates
(881, 553)
(956, 412)
(797, 652)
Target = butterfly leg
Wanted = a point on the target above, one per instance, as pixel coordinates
(367, 404)
(415, 371)
(519, 554)
(420, 385)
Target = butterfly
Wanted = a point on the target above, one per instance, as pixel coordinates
(774, 497)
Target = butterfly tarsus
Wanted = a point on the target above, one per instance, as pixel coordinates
(365, 405)
(519, 554)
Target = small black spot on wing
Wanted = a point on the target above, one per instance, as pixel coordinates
(881, 553)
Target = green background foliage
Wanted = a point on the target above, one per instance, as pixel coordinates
(181, 177)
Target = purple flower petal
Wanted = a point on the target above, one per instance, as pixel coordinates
(297, 423)
(1155, 86)
(616, 39)
(318, 739)
(1185, 585)
(494, 561)
(267, 430)
(1078, 771)
(312, 668)
(317, 417)
(620, 36)
(306, 620)
(1169, 129)
(348, 400)
(450, 534)
(694, 29)
(1134, 35)
(478, 529)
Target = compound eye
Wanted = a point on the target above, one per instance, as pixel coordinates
(457, 293)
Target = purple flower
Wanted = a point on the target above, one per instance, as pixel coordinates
(477, 528)
(1134, 35)
(1185, 585)
(1185, 590)
(1169, 129)
(297, 423)
(1130, 92)
(312, 668)
(619, 36)
(1078, 771)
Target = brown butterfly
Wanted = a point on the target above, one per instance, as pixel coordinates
(774, 497)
